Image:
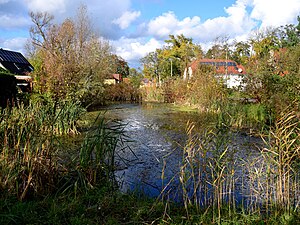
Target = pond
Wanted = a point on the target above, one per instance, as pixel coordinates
(155, 157)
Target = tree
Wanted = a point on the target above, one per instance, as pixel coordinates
(151, 65)
(172, 59)
(241, 52)
(220, 49)
(274, 70)
(74, 59)
(135, 77)
(38, 33)
(120, 66)
(289, 35)
(262, 43)
(182, 50)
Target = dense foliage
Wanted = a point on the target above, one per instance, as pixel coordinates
(271, 59)
(70, 59)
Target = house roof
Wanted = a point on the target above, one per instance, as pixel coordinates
(117, 76)
(14, 62)
(222, 65)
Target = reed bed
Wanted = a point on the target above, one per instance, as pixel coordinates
(216, 176)
(98, 152)
(277, 176)
(35, 163)
(29, 146)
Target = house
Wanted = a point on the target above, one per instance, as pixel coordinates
(15, 63)
(228, 70)
(113, 79)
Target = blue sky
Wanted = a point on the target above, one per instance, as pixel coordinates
(137, 27)
(183, 8)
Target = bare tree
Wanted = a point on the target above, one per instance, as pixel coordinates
(41, 24)
(74, 58)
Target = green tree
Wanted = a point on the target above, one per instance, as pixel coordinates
(263, 42)
(151, 65)
(135, 77)
(121, 66)
(289, 35)
(181, 50)
(241, 52)
(274, 72)
(220, 49)
(172, 59)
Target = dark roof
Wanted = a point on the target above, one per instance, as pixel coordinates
(222, 65)
(15, 62)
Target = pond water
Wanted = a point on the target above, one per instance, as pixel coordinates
(155, 155)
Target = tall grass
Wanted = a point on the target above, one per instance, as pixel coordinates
(98, 152)
(152, 94)
(206, 173)
(282, 155)
(215, 175)
(63, 185)
(29, 145)
(33, 160)
(245, 116)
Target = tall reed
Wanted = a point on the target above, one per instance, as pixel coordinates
(281, 154)
(29, 145)
(206, 174)
(216, 175)
(98, 151)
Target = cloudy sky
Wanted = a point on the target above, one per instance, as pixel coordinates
(136, 27)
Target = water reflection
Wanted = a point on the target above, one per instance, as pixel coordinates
(155, 155)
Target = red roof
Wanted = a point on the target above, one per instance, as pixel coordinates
(222, 66)
(117, 76)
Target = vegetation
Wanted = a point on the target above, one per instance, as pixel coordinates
(8, 89)
(71, 61)
(171, 60)
(270, 57)
(58, 168)
(227, 184)
(208, 173)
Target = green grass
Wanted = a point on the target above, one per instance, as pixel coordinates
(98, 207)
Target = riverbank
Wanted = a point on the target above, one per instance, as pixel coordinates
(84, 196)
(97, 206)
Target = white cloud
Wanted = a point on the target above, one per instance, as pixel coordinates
(135, 49)
(163, 25)
(10, 21)
(101, 12)
(51, 6)
(236, 23)
(126, 19)
(15, 44)
(275, 12)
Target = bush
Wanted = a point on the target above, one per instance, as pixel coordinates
(122, 92)
(8, 89)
